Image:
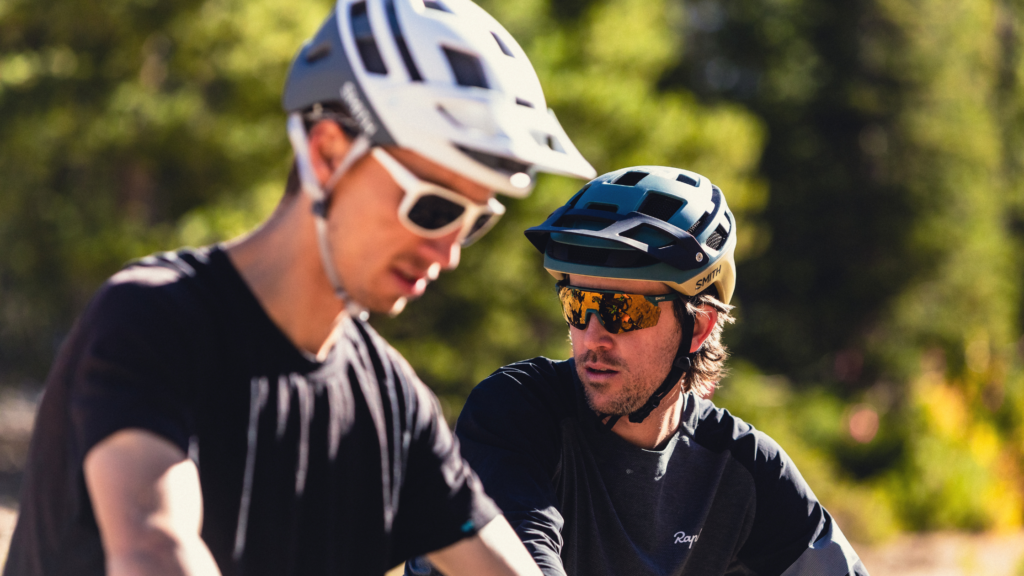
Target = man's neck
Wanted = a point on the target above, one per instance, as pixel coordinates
(280, 262)
(660, 425)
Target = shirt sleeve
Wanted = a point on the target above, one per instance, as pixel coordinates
(442, 500)
(131, 371)
(509, 430)
(792, 533)
(830, 555)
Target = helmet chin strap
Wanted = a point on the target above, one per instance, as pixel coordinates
(321, 196)
(680, 364)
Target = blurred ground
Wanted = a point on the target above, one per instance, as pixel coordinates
(942, 554)
(947, 554)
(938, 554)
(17, 413)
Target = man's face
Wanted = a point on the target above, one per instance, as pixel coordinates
(382, 263)
(620, 371)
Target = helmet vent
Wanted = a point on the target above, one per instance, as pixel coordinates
(548, 141)
(602, 206)
(717, 238)
(499, 163)
(576, 197)
(649, 235)
(630, 178)
(660, 206)
(502, 45)
(448, 116)
(589, 256)
(687, 180)
(698, 226)
(396, 30)
(318, 52)
(522, 102)
(584, 222)
(363, 34)
(467, 68)
(436, 5)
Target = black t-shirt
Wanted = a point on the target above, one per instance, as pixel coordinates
(339, 467)
(718, 498)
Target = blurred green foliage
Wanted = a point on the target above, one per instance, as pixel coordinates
(892, 284)
(129, 126)
(872, 152)
(499, 305)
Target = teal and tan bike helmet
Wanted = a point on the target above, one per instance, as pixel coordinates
(646, 223)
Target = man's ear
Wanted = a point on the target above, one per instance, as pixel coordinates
(703, 323)
(328, 144)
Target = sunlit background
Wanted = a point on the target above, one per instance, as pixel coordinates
(872, 151)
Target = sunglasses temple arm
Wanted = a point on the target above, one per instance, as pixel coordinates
(300, 145)
(360, 146)
(303, 160)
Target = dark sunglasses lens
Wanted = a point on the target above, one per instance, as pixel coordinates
(628, 312)
(432, 212)
(612, 312)
(480, 223)
(617, 312)
(572, 307)
(480, 227)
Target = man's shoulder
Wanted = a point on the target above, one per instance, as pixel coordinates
(791, 531)
(169, 299)
(524, 400)
(157, 279)
(719, 430)
(538, 381)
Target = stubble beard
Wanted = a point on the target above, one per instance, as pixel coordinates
(633, 394)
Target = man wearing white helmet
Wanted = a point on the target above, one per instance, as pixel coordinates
(227, 410)
(614, 462)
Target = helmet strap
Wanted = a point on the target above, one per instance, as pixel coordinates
(321, 196)
(682, 362)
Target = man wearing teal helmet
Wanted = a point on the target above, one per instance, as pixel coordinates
(228, 410)
(614, 462)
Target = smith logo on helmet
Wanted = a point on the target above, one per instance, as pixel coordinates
(351, 97)
(707, 279)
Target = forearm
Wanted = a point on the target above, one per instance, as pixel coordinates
(541, 536)
(494, 551)
(163, 555)
(148, 505)
(548, 560)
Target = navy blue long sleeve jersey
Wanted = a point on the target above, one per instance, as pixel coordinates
(719, 498)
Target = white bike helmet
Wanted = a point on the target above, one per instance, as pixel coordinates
(442, 78)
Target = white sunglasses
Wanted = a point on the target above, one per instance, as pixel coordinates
(433, 211)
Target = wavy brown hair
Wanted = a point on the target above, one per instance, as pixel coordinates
(709, 362)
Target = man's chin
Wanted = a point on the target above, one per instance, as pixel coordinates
(397, 306)
(621, 404)
(377, 304)
(600, 402)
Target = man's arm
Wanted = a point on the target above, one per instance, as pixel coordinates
(495, 550)
(146, 497)
(510, 435)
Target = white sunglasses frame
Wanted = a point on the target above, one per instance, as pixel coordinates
(415, 188)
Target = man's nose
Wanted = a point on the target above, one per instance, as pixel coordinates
(445, 251)
(595, 335)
